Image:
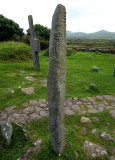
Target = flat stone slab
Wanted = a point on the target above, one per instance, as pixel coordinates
(109, 97)
(30, 78)
(93, 150)
(29, 90)
(69, 112)
(19, 118)
(112, 112)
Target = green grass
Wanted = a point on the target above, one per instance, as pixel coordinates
(74, 138)
(79, 76)
(14, 51)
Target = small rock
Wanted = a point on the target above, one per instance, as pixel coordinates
(43, 113)
(43, 82)
(112, 112)
(94, 131)
(85, 119)
(42, 100)
(92, 86)
(93, 151)
(30, 78)
(107, 136)
(75, 107)
(34, 116)
(92, 111)
(90, 56)
(29, 90)
(6, 129)
(10, 90)
(95, 119)
(69, 112)
(77, 155)
(84, 130)
(82, 112)
(95, 69)
(19, 86)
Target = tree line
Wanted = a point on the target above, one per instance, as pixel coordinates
(10, 30)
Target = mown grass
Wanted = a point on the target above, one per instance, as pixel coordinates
(74, 138)
(79, 76)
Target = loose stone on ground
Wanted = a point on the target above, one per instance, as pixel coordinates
(29, 90)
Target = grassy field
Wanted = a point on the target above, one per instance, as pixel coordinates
(92, 43)
(79, 76)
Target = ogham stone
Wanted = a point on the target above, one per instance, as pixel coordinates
(56, 79)
(34, 44)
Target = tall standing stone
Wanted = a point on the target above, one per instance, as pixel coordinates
(34, 44)
(56, 79)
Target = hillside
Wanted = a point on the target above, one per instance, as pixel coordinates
(103, 34)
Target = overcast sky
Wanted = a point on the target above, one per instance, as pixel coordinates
(82, 15)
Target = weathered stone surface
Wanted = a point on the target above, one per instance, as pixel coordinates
(29, 90)
(56, 79)
(85, 119)
(69, 112)
(105, 135)
(34, 44)
(112, 112)
(6, 129)
(93, 151)
(30, 78)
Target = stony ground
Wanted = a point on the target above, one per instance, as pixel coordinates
(37, 109)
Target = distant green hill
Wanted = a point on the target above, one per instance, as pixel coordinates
(103, 34)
